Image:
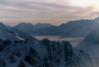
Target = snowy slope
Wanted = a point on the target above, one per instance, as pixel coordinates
(7, 33)
(90, 45)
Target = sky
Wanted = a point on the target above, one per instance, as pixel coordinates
(47, 11)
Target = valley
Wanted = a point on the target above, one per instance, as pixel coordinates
(73, 40)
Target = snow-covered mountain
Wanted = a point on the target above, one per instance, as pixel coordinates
(7, 33)
(91, 42)
(21, 50)
(90, 45)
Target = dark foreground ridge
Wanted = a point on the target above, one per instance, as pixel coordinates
(43, 53)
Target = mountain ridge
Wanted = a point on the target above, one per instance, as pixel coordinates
(78, 28)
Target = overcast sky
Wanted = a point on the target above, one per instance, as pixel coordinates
(47, 11)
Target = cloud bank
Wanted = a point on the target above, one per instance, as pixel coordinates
(44, 11)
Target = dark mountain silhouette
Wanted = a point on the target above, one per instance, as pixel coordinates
(38, 29)
(77, 28)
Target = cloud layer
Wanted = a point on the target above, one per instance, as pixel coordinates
(44, 11)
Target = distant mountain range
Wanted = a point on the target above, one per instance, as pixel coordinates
(79, 28)
(19, 49)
